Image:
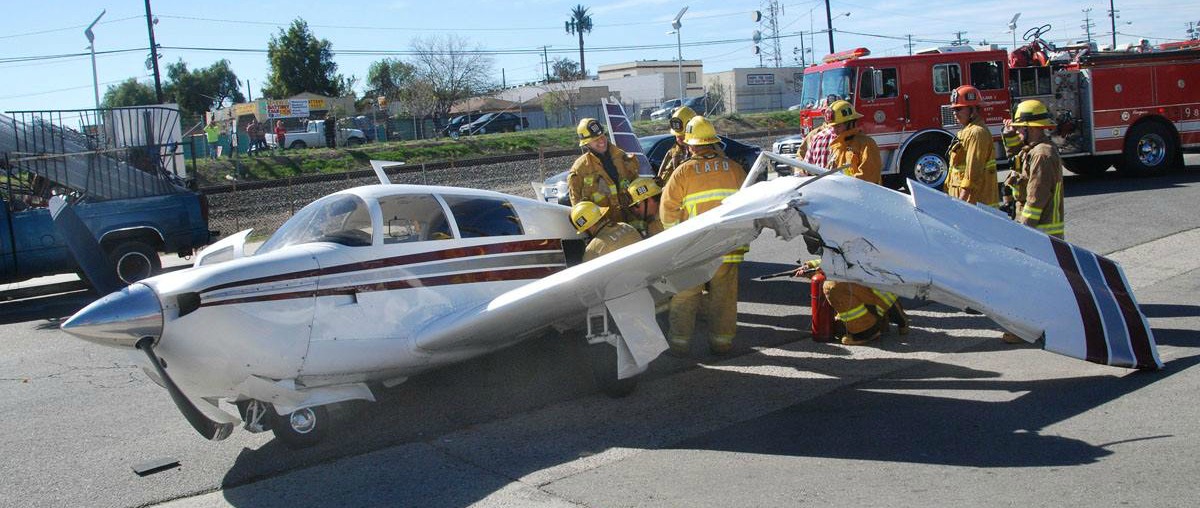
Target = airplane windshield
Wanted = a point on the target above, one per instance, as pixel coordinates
(340, 218)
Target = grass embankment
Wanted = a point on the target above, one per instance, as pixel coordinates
(282, 164)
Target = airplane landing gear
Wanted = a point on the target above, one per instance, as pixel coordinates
(301, 428)
(602, 340)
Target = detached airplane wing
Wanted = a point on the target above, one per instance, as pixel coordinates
(925, 246)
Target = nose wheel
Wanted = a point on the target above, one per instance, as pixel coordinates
(301, 428)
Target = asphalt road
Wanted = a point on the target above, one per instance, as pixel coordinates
(946, 415)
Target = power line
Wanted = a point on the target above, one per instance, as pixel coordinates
(63, 29)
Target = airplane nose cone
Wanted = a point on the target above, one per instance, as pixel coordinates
(119, 319)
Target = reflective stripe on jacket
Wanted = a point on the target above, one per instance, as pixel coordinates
(699, 185)
(588, 181)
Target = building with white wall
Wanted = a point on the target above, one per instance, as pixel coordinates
(693, 75)
(747, 90)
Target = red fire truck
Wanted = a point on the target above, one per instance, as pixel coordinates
(1137, 110)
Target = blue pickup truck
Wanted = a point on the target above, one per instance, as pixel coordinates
(123, 172)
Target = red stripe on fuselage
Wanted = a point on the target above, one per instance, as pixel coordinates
(437, 255)
(437, 280)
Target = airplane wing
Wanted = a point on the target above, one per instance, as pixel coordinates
(925, 246)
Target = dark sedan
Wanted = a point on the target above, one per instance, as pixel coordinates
(554, 189)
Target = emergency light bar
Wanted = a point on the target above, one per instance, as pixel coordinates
(849, 54)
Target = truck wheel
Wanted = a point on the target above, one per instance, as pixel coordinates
(1149, 150)
(1087, 165)
(301, 428)
(925, 162)
(133, 260)
(298, 144)
(354, 141)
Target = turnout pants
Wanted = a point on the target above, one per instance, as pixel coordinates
(722, 308)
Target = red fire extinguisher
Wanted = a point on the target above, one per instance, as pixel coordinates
(822, 312)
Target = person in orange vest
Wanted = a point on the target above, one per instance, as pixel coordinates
(606, 235)
(602, 172)
(972, 175)
(678, 152)
(699, 185)
(861, 309)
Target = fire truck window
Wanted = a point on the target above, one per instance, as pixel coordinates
(867, 83)
(946, 77)
(987, 75)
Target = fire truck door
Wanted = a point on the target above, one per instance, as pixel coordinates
(881, 106)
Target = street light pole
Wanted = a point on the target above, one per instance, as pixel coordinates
(679, 48)
(91, 37)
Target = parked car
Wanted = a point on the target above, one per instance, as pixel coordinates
(456, 123)
(554, 189)
(698, 104)
(314, 136)
(494, 122)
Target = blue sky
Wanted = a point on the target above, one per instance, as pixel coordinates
(52, 27)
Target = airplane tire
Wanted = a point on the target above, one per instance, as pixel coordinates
(301, 428)
(603, 359)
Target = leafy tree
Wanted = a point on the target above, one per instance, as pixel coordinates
(202, 90)
(579, 24)
(129, 93)
(564, 69)
(301, 63)
(389, 77)
(446, 72)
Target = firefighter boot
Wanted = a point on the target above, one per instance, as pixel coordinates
(1009, 338)
(863, 337)
(899, 318)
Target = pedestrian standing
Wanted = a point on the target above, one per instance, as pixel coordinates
(972, 175)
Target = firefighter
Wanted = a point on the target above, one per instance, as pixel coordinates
(1036, 181)
(861, 309)
(972, 156)
(601, 172)
(607, 236)
(643, 193)
(678, 152)
(698, 185)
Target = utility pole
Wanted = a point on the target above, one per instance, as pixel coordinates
(1192, 31)
(958, 39)
(249, 96)
(546, 63)
(154, 54)
(828, 25)
(1112, 15)
(803, 57)
(1087, 24)
(909, 44)
(503, 79)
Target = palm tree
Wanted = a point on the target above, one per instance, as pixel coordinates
(580, 23)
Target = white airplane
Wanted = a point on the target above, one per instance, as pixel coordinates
(383, 282)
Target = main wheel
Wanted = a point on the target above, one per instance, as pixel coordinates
(925, 162)
(1087, 165)
(133, 260)
(603, 360)
(301, 428)
(1149, 150)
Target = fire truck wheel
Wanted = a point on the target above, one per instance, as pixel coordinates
(1149, 150)
(1087, 165)
(925, 162)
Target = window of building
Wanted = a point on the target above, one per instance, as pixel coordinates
(691, 77)
(413, 218)
(946, 77)
(480, 216)
(987, 75)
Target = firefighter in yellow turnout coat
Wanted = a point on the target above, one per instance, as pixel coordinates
(602, 173)
(1036, 181)
(861, 309)
(972, 175)
(607, 236)
(699, 185)
(678, 152)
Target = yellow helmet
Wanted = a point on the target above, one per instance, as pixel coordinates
(700, 131)
(586, 214)
(588, 130)
(643, 188)
(680, 118)
(842, 112)
(1032, 113)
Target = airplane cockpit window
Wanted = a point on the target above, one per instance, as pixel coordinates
(483, 216)
(413, 218)
(340, 218)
